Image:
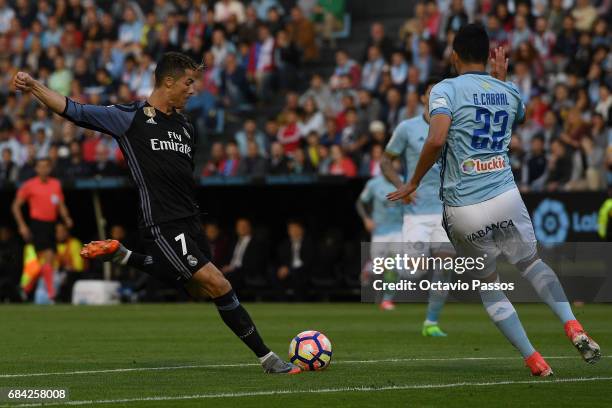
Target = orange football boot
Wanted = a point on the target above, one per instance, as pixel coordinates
(538, 366)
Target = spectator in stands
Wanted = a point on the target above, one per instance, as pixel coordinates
(399, 69)
(274, 21)
(252, 164)
(585, 15)
(423, 60)
(104, 166)
(261, 7)
(226, 8)
(328, 16)
(250, 133)
(536, 165)
(378, 132)
(412, 108)
(319, 91)
(231, 163)
(248, 255)
(457, 17)
(368, 110)
(559, 166)
(345, 66)
(604, 106)
(218, 243)
(391, 112)
(8, 168)
(325, 160)
(61, 77)
(372, 69)
(261, 62)
(300, 164)
(278, 162)
(340, 164)
(289, 135)
(350, 139)
(370, 164)
(221, 48)
(270, 132)
(130, 30)
(595, 160)
(312, 119)
(331, 136)
(288, 59)
(379, 38)
(295, 259)
(302, 32)
(27, 170)
(235, 90)
(74, 167)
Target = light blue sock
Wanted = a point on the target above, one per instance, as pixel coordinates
(547, 285)
(437, 298)
(507, 321)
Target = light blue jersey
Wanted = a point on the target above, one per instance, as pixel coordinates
(408, 140)
(475, 164)
(387, 215)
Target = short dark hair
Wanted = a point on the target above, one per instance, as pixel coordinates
(472, 43)
(174, 64)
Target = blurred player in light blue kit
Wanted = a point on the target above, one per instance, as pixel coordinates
(471, 124)
(383, 220)
(422, 224)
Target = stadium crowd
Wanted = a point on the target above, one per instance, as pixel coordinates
(104, 52)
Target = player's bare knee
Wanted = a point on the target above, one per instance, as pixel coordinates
(212, 280)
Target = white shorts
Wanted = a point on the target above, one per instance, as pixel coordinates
(426, 233)
(497, 226)
(378, 247)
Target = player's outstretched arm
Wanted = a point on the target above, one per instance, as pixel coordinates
(438, 132)
(106, 119)
(25, 83)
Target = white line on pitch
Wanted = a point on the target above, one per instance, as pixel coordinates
(213, 366)
(317, 391)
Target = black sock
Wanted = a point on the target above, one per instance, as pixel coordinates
(236, 318)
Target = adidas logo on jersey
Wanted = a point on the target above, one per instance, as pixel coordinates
(477, 166)
(151, 121)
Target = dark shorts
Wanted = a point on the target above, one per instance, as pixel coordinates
(43, 235)
(179, 248)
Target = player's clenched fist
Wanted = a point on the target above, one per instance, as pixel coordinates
(23, 82)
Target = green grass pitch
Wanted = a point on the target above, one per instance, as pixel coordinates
(181, 355)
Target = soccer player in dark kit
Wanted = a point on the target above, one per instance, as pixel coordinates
(158, 143)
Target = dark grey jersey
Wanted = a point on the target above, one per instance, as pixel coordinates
(159, 150)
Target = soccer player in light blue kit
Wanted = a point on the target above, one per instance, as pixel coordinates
(422, 224)
(471, 123)
(383, 221)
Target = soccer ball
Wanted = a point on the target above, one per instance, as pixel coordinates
(310, 350)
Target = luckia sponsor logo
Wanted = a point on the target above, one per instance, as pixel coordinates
(477, 166)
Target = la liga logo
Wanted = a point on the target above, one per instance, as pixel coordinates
(477, 166)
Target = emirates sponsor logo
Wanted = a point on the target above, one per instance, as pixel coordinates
(477, 166)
